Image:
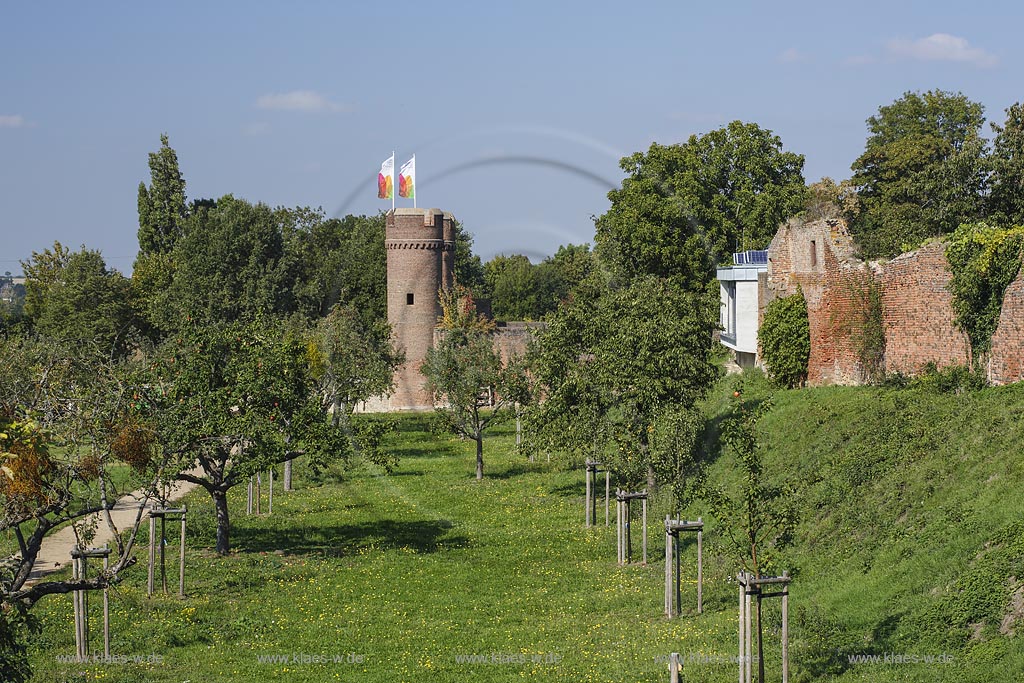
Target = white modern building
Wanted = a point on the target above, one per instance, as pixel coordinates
(740, 301)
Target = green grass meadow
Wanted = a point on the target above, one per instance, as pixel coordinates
(911, 541)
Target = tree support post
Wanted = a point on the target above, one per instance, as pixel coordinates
(673, 667)
(607, 492)
(106, 612)
(288, 475)
(181, 556)
(152, 555)
(751, 586)
(162, 514)
(785, 630)
(623, 506)
(587, 511)
(673, 527)
(80, 601)
(644, 522)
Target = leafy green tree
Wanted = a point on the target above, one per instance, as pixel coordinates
(338, 261)
(229, 265)
(162, 205)
(162, 216)
(684, 207)
(520, 290)
(758, 515)
(1007, 198)
(348, 362)
(785, 339)
(469, 269)
(43, 271)
(562, 361)
(74, 296)
(572, 264)
(352, 364)
(12, 302)
(828, 199)
(922, 173)
(608, 369)
(235, 399)
(472, 388)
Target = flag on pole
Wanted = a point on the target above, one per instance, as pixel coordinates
(386, 179)
(406, 179)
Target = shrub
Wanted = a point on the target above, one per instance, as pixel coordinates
(955, 379)
(984, 260)
(785, 339)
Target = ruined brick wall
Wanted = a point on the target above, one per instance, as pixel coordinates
(1006, 363)
(918, 312)
(818, 257)
(918, 319)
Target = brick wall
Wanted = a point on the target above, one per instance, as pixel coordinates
(818, 257)
(1007, 360)
(511, 338)
(918, 312)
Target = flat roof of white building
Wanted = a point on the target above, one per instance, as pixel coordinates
(741, 273)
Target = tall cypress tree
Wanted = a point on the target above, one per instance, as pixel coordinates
(162, 204)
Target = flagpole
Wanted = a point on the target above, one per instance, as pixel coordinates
(414, 181)
(394, 160)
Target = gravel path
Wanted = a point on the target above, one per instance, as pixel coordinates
(56, 549)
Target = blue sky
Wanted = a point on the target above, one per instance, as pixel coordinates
(517, 112)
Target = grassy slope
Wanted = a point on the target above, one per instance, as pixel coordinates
(908, 504)
(911, 537)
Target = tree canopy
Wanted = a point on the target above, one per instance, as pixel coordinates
(683, 208)
(235, 398)
(162, 204)
(74, 296)
(923, 171)
(1007, 198)
(610, 367)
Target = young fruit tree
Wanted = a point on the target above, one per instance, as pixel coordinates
(472, 388)
(757, 515)
(610, 367)
(351, 363)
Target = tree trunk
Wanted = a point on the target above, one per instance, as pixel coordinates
(220, 503)
(479, 456)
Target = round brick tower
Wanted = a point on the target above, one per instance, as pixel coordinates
(420, 253)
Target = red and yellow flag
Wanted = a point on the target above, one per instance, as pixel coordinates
(386, 179)
(407, 179)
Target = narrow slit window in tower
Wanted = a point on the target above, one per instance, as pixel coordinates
(814, 254)
(408, 299)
